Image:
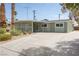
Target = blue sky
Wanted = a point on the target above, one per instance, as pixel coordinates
(43, 11)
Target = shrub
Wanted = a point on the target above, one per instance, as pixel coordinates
(4, 26)
(2, 30)
(15, 32)
(5, 36)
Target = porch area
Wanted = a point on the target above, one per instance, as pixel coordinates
(43, 27)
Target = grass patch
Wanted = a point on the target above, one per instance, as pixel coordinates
(5, 36)
(15, 32)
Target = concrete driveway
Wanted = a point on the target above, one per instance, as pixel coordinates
(51, 40)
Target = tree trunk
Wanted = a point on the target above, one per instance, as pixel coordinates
(12, 14)
(72, 17)
(3, 18)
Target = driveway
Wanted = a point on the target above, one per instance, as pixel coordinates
(50, 40)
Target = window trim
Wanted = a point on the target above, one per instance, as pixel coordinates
(43, 24)
(59, 25)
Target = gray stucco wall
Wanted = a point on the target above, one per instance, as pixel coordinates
(30, 26)
(46, 29)
(65, 27)
(59, 29)
(70, 27)
(24, 26)
(52, 27)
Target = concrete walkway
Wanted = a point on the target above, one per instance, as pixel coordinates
(14, 47)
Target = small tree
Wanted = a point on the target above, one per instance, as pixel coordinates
(72, 8)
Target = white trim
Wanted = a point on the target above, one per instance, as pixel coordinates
(59, 23)
(46, 26)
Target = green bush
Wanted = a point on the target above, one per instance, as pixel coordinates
(15, 32)
(2, 30)
(5, 36)
(4, 26)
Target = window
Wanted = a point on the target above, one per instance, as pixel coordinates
(44, 25)
(59, 25)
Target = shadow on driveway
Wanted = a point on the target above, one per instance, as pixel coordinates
(64, 48)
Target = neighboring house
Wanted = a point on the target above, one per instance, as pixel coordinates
(44, 26)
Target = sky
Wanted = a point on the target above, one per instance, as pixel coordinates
(48, 11)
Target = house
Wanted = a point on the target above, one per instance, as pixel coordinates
(61, 26)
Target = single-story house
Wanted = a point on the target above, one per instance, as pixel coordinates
(44, 26)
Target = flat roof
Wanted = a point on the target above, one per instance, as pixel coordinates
(49, 21)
